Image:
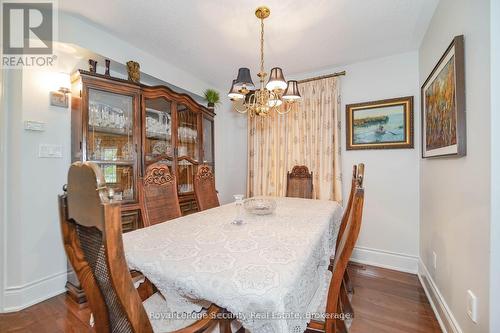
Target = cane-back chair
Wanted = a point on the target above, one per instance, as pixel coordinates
(92, 234)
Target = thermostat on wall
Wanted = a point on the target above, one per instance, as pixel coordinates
(31, 125)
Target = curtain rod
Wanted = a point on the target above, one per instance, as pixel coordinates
(322, 77)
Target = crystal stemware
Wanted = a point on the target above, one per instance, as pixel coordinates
(238, 202)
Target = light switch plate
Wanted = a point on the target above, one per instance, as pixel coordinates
(32, 125)
(472, 306)
(49, 151)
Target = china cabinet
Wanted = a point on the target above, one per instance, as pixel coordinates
(123, 127)
(179, 131)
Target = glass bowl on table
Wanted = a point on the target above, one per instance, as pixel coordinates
(260, 205)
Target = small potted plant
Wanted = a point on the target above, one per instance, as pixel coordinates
(212, 97)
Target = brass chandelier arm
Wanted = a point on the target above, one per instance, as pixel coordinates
(242, 111)
(286, 106)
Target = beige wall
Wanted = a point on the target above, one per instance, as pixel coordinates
(455, 193)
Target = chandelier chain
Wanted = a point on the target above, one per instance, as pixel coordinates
(262, 46)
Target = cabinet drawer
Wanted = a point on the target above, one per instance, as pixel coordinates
(188, 207)
(130, 220)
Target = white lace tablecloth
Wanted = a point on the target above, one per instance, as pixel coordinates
(270, 271)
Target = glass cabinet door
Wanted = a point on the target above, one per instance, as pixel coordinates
(185, 176)
(158, 127)
(208, 141)
(188, 147)
(110, 140)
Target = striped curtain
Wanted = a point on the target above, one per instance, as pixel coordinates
(308, 135)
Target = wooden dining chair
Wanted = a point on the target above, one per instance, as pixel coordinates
(299, 183)
(204, 188)
(92, 234)
(360, 175)
(348, 206)
(159, 200)
(344, 289)
(333, 322)
(358, 172)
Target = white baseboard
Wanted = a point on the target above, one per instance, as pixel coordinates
(19, 297)
(443, 313)
(385, 259)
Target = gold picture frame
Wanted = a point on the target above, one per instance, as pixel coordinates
(382, 124)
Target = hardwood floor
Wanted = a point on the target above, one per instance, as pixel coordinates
(388, 301)
(384, 301)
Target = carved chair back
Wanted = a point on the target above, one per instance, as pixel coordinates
(348, 205)
(159, 202)
(204, 188)
(299, 183)
(91, 230)
(344, 251)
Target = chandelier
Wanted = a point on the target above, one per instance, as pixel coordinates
(277, 95)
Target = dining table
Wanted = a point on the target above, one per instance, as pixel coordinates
(270, 271)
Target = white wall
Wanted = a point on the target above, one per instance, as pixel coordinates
(455, 192)
(231, 151)
(12, 227)
(495, 166)
(389, 234)
(35, 264)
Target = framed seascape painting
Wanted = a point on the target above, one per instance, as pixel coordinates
(384, 124)
(443, 105)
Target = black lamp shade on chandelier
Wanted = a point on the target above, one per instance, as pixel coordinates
(234, 94)
(276, 80)
(244, 80)
(292, 91)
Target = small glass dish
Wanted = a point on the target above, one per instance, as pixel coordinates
(260, 205)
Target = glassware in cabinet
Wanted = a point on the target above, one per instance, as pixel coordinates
(158, 143)
(110, 127)
(187, 133)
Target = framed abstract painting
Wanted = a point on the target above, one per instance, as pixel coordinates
(384, 124)
(443, 105)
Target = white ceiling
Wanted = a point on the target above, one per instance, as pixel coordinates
(212, 39)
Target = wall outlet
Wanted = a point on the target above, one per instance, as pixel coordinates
(434, 260)
(472, 306)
